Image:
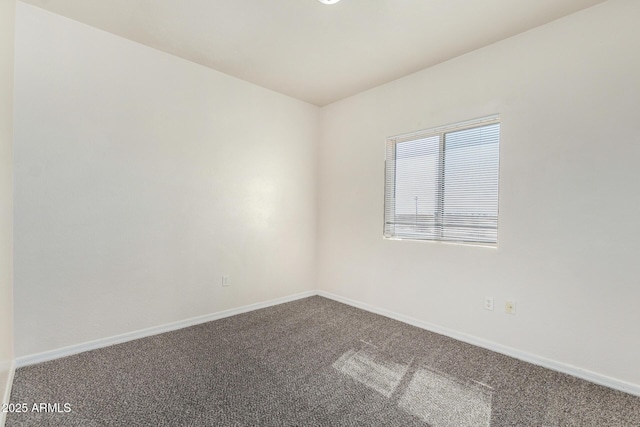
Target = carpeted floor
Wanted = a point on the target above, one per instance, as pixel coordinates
(313, 362)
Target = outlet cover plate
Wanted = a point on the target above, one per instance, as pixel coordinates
(510, 307)
(488, 303)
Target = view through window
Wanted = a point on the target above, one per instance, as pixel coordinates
(442, 184)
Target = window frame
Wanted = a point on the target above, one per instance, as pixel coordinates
(439, 131)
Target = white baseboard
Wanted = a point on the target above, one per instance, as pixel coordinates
(129, 336)
(7, 392)
(498, 348)
(470, 339)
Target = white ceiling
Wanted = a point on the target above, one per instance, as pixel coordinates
(314, 52)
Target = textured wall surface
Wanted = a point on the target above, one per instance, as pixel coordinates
(142, 178)
(7, 25)
(568, 94)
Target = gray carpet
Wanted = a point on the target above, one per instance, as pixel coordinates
(313, 362)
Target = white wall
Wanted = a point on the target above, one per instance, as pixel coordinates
(140, 179)
(7, 25)
(569, 98)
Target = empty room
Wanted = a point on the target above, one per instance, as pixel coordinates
(320, 213)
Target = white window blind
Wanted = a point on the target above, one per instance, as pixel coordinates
(442, 184)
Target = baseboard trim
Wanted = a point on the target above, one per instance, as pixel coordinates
(470, 339)
(493, 346)
(6, 398)
(142, 333)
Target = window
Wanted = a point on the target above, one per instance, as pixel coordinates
(442, 184)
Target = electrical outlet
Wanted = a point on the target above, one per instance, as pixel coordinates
(226, 280)
(510, 307)
(488, 303)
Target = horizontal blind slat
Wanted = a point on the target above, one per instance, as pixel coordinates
(444, 185)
